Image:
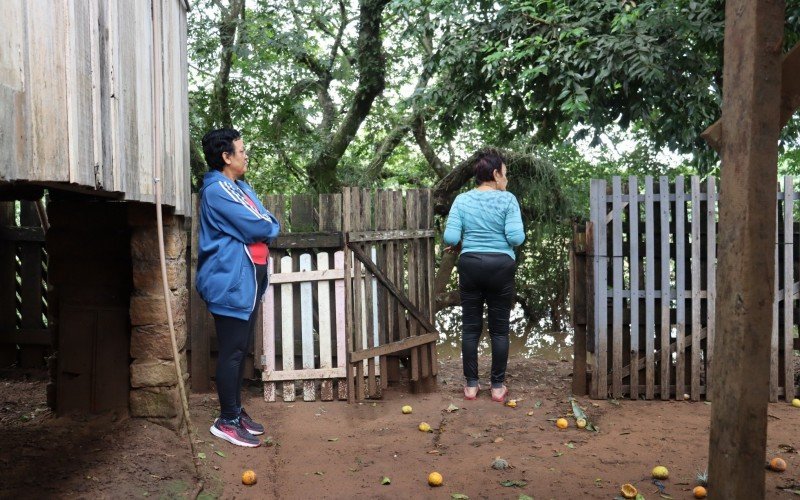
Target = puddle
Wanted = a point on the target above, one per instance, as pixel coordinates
(528, 340)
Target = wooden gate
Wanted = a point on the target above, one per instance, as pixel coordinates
(350, 301)
(643, 290)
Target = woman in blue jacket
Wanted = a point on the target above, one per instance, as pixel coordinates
(232, 272)
(486, 224)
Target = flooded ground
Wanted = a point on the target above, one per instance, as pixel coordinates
(528, 340)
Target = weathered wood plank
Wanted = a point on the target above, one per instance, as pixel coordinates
(680, 280)
(429, 251)
(369, 325)
(400, 345)
(774, 381)
(633, 237)
(319, 239)
(385, 235)
(600, 290)
(711, 275)
(347, 208)
(617, 264)
(788, 280)
(666, 361)
(649, 281)
(696, 284)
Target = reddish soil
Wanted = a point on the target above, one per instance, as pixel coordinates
(336, 450)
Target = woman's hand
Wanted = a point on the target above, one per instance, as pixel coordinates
(454, 249)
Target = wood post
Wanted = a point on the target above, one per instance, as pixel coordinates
(746, 265)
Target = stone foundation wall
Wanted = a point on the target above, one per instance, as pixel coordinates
(154, 388)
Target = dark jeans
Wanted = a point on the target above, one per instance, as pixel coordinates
(485, 278)
(234, 340)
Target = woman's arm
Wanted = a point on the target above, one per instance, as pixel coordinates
(515, 232)
(452, 230)
(228, 210)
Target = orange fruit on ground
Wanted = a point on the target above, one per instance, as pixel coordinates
(699, 492)
(628, 490)
(249, 477)
(562, 423)
(777, 464)
(435, 479)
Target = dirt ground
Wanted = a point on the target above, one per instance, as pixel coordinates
(336, 450)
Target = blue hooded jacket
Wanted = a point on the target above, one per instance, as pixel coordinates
(226, 274)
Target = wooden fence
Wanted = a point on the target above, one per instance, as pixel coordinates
(350, 301)
(24, 337)
(643, 290)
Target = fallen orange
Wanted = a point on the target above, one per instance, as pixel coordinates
(629, 491)
(699, 492)
(777, 464)
(435, 479)
(249, 477)
(562, 423)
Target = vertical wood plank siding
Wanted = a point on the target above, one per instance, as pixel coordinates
(84, 115)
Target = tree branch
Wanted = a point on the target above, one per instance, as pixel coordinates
(385, 149)
(372, 72)
(228, 25)
(438, 166)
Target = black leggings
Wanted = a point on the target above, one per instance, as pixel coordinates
(234, 339)
(485, 278)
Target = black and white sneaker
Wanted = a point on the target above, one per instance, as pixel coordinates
(251, 426)
(234, 432)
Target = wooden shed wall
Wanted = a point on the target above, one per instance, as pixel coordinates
(77, 100)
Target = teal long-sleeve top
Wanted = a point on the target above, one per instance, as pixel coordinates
(485, 221)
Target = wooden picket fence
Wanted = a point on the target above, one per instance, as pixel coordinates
(25, 340)
(349, 307)
(643, 290)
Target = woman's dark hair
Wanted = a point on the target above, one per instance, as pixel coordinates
(217, 142)
(485, 165)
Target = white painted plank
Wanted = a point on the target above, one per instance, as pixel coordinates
(307, 328)
(268, 332)
(649, 280)
(287, 329)
(325, 320)
(633, 218)
(324, 301)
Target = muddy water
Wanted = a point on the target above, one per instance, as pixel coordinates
(528, 340)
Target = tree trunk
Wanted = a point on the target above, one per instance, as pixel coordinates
(371, 82)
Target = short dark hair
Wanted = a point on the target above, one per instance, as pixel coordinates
(217, 142)
(486, 163)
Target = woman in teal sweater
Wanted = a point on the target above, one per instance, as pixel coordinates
(485, 223)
